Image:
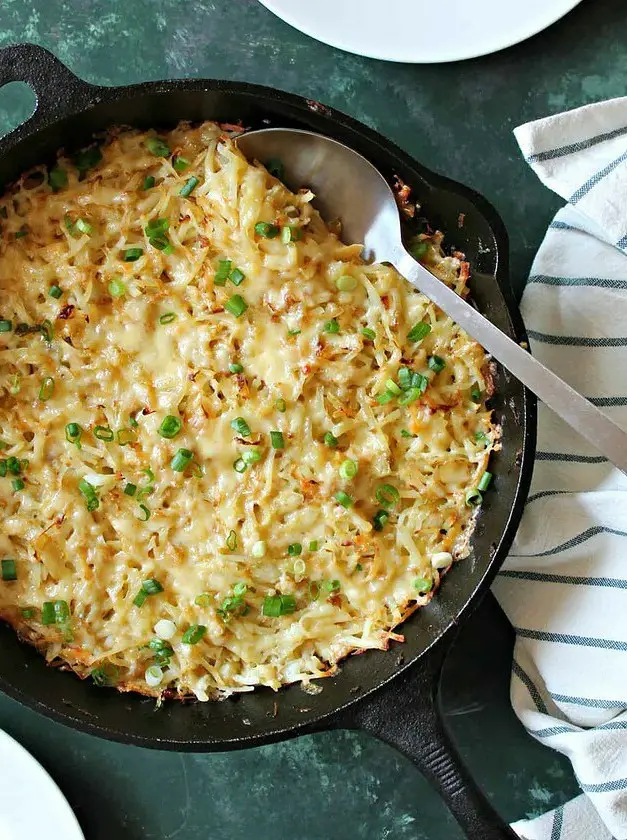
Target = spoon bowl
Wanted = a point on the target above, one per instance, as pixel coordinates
(349, 188)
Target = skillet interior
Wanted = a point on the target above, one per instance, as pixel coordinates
(264, 715)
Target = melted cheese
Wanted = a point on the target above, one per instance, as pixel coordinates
(111, 358)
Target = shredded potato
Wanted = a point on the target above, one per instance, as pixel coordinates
(119, 320)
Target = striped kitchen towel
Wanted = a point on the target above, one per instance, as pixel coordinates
(564, 585)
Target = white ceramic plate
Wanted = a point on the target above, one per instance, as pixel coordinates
(31, 805)
(420, 31)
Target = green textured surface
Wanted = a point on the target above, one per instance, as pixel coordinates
(456, 119)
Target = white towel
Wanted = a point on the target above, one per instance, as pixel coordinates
(564, 585)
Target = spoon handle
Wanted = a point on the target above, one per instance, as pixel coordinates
(576, 410)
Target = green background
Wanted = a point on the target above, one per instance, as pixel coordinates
(457, 119)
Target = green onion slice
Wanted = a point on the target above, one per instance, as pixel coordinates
(267, 230)
(55, 612)
(231, 541)
(346, 283)
(190, 186)
(393, 388)
(157, 146)
(239, 425)
(410, 396)
(167, 318)
(330, 440)
(17, 484)
(9, 571)
(251, 456)
(235, 367)
(348, 469)
(331, 326)
(387, 495)
(237, 277)
(103, 433)
(240, 465)
(55, 292)
(132, 254)
(344, 499)
(149, 182)
(57, 178)
(236, 305)
(276, 438)
(423, 585)
(314, 545)
(6, 326)
(379, 519)
(181, 460)
(484, 481)
(280, 405)
(368, 333)
(130, 489)
(473, 498)
(180, 164)
(278, 605)
(73, 433)
(385, 397)
(294, 549)
(222, 274)
(194, 634)
(436, 363)
(418, 332)
(105, 675)
(170, 426)
(116, 287)
(475, 393)
(47, 389)
(47, 330)
(146, 513)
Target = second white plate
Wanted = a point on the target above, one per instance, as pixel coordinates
(419, 31)
(31, 805)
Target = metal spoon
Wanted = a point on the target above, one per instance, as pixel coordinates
(348, 187)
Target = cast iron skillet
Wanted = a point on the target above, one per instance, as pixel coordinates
(390, 695)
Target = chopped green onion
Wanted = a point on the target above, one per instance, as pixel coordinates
(314, 590)
(423, 585)
(6, 326)
(236, 305)
(148, 587)
(419, 249)
(132, 254)
(126, 436)
(290, 233)
(332, 326)
(54, 292)
(294, 549)
(180, 164)
(190, 186)
(9, 572)
(387, 495)
(222, 274)
(278, 605)
(436, 363)
(314, 545)
(73, 433)
(235, 367)
(47, 389)
(132, 421)
(130, 489)
(299, 567)
(146, 513)
(484, 481)
(359, 567)
(251, 456)
(368, 333)
(240, 465)
(275, 168)
(88, 491)
(193, 634)
(481, 436)
(237, 277)
(167, 318)
(231, 541)
(404, 378)
(344, 499)
(181, 460)
(330, 440)
(419, 331)
(83, 226)
(86, 159)
(156, 227)
(280, 405)
(473, 498)
(294, 332)
(276, 438)
(267, 230)
(145, 491)
(161, 243)
(57, 178)
(55, 612)
(47, 330)
(407, 434)
(419, 381)
(105, 675)
(157, 147)
(170, 426)
(28, 612)
(3, 467)
(475, 393)
(103, 433)
(392, 387)
(149, 182)
(15, 386)
(379, 520)
(410, 396)
(239, 425)
(116, 287)
(346, 283)
(331, 586)
(203, 600)
(348, 469)
(21, 233)
(13, 465)
(385, 398)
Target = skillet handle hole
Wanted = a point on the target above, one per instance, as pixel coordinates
(17, 104)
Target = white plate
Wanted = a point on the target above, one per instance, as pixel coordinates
(420, 31)
(31, 805)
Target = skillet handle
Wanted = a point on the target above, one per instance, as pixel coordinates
(406, 714)
(58, 91)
